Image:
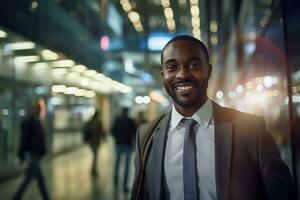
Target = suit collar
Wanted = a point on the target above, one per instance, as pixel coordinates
(203, 115)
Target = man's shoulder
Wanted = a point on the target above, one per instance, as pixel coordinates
(235, 116)
(142, 129)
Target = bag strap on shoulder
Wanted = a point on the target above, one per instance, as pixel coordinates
(147, 142)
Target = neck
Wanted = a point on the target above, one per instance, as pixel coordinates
(188, 111)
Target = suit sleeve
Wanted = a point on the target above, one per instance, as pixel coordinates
(276, 176)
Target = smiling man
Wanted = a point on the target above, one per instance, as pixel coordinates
(200, 150)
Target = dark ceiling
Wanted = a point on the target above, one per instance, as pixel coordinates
(75, 27)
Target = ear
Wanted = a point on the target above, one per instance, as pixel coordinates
(209, 70)
(162, 73)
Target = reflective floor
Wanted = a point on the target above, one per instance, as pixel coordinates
(68, 177)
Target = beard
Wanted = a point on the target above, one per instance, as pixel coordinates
(193, 99)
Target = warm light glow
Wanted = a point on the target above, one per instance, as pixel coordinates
(117, 86)
(165, 3)
(138, 26)
(196, 33)
(133, 16)
(19, 46)
(219, 94)
(239, 89)
(259, 88)
(195, 11)
(63, 63)
(58, 88)
(194, 1)
(3, 34)
(126, 5)
(182, 2)
(79, 68)
(146, 99)
(214, 40)
(156, 96)
(84, 81)
(268, 81)
(168, 13)
(249, 85)
(142, 99)
(99, 77)
(171, 24)
(213, 26)
(49, 55)
(41, 65)
(59, 71)
(71, 90)
(231, 94)
(25, 59)
(90, 94)
(91, 73)
(73, 76)
(34, 5)
(139, 99)
(80, 92)
(195, 22)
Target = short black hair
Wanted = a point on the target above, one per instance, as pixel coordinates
(187, 38)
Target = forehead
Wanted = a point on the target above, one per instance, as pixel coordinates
(182, 49)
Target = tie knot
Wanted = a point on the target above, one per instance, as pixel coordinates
(189, 123)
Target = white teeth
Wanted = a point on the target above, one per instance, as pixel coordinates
(184, 87)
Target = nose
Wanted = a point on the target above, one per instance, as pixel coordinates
(182, 73)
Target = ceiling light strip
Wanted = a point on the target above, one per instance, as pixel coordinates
(169, 15)
(133, 16)
(195, 13)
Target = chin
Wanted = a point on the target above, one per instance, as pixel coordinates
(186, 102)
(189, 101)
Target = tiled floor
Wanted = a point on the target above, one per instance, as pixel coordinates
(68, 178)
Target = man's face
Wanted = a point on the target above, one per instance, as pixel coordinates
(185, 72)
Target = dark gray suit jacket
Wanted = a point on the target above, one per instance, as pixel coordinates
(248, 164)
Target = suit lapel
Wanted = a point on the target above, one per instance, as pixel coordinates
(158, 149)
(223, 151)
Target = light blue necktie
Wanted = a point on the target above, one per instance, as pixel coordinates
(189, 162)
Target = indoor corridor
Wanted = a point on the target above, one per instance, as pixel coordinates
(66, 64)
(67, 177)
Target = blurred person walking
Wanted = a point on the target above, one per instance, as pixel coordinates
(93, 135)
(124, 131)
(32, 149)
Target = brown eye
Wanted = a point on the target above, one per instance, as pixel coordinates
(194, 65)
(171, 67)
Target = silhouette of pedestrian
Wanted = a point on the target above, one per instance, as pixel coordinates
(123, 130)
(93, 135)
(32, 149)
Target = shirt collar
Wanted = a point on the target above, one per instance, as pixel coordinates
(203, 115)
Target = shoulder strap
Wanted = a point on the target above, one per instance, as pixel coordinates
(147, 142)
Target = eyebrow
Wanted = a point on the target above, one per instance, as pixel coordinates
(195, 58)
(189, 60)
(169, 61)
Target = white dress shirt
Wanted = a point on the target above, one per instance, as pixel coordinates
(205, 154)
